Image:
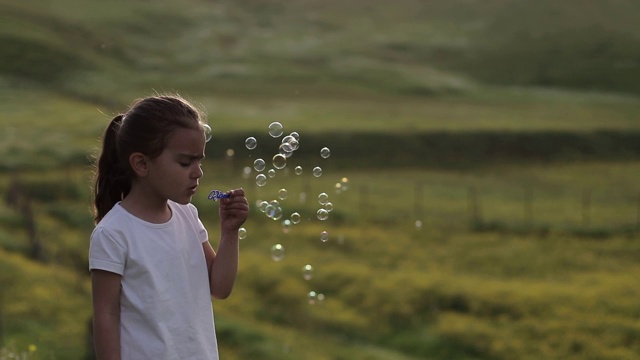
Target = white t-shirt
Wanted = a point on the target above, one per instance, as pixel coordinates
(165, 304)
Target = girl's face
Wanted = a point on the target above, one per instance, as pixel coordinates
(176, 172)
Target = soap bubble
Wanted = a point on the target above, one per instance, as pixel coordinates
(320, 298)
(328, 206)
(251, 143)
(307, 272)
(263, 206)
(323, 198)
(344, 181)
(279, 161)
(287, 139)
(322, 214)
(295, 135)
(271, 173)
(298, 170)
(295, 218)
(259, 164)
(261, 180)
(277, 252)
(207, 132)
(312, 297)
(274, 210)
(246, 172)
(282, 194)
(242, 233)
(295, 145)
(285, 149)
(317, 171)
(325, 152)
(275, 129)
(286, 225)
(418, 224)
(324, 236)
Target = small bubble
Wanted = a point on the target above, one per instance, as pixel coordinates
(295, 145)
(418, 224)
(295, 218)
(261, 180)
(285, 148)
(259, 164)
(282, 194)
(242, 233)
(325, 152)
(317, 171)
(312, 297)
(275, 129)
(287, 139)
(207, 132)
(295, 135)
(230, 152)
(323, 198)
(320, 298)
(328, 206)
(302, 197)
(344, 181)
(263, 206)
(246, 172)
(251, 143)
(286, 225)
(298, 170)
(324, 236)
(279, 161)
(271, 173)
(274, 210)
(322, 214)
(307, 272)
(277, 252)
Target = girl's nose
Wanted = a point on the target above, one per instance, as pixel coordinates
(197, 173)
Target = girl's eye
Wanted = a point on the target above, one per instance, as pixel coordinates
(185, 164)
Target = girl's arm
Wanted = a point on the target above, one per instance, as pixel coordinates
(106, 314)
(223, 265)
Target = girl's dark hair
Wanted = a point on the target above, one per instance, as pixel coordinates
(145, 128)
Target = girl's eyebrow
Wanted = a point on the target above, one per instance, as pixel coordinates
(191, 156)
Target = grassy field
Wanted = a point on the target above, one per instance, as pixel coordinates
(533, 257)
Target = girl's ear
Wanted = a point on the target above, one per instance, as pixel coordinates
(139, 164)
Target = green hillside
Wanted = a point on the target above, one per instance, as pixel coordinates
(490, 150)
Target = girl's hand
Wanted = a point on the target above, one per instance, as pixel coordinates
(234, 211)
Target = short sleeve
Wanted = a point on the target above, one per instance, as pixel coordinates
(200, 229)
(107, 252)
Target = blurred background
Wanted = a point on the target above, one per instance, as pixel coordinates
(481, 194)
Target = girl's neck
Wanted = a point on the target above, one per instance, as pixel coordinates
(146, 208)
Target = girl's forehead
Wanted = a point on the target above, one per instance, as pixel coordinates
(186, 141)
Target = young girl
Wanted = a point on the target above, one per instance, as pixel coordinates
(153, 269)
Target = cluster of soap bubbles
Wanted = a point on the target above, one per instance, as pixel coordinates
(273, 209)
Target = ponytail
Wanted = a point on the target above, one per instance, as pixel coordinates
(112, 181)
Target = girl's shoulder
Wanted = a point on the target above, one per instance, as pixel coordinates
(188, 210)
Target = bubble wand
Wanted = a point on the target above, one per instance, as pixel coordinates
(216, 195)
